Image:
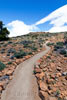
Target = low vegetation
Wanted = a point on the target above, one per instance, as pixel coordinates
(61, 47)
(2, 66)
(20, 54)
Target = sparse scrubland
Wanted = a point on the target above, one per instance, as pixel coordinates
(18, 49)
(51, 70)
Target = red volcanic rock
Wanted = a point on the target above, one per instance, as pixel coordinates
(58, 74)
(39, 61)
(41, 75)
(37, 76)
(1, 89)
(10, 72)
(52, 98)
(52, 65)
(43, 95)
(38, 70)
(1, 74)
(52, 76)
(49, 81)
(58, 68)
(43, 86)
(2, 83)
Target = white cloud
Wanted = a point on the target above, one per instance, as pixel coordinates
(58, 29)
(58, 18)
(18, 28)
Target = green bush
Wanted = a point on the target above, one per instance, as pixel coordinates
(50, 44)
(58, 45)
(61, 44)
(2, 66)
(30, 53)
(34, 72)
(57, 93)
(63, 52)
(20, 54)
(34, 48)
(48, 57)
(9, 62)
(65, 55)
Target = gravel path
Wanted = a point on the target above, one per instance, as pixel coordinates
(24, 85)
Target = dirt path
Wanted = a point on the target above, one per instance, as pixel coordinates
(24, 85)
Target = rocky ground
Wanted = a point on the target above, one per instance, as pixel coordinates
(13, 52)
(19, 49)
(51, 74)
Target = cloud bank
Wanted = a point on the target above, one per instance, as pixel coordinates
(18, 28)
(57, 18)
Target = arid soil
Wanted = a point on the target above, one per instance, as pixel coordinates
(22, 87)
(51, 75)
(30, 44)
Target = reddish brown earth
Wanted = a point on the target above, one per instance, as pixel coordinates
(10, 68)
(24, 85)
(51, 74)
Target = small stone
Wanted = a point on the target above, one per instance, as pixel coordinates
(11, 77)
(52, 98)
(36, 66)
(9, 72)
(12, 57)
(43, 95)
(58, 74)
(45, 69)
(1, 74)
(2, 83)
(49, 81)
(50, 70)
(1, 89)
(64, 73)
(38, 70)
(49, 87)
(52, 76)
(65, 98)
(66, 77)
(43, 86)
(41, 75)
(64, 83)
(58, 68)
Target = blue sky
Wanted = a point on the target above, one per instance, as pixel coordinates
(28, 11)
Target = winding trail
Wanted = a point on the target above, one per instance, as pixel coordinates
(24, 86)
